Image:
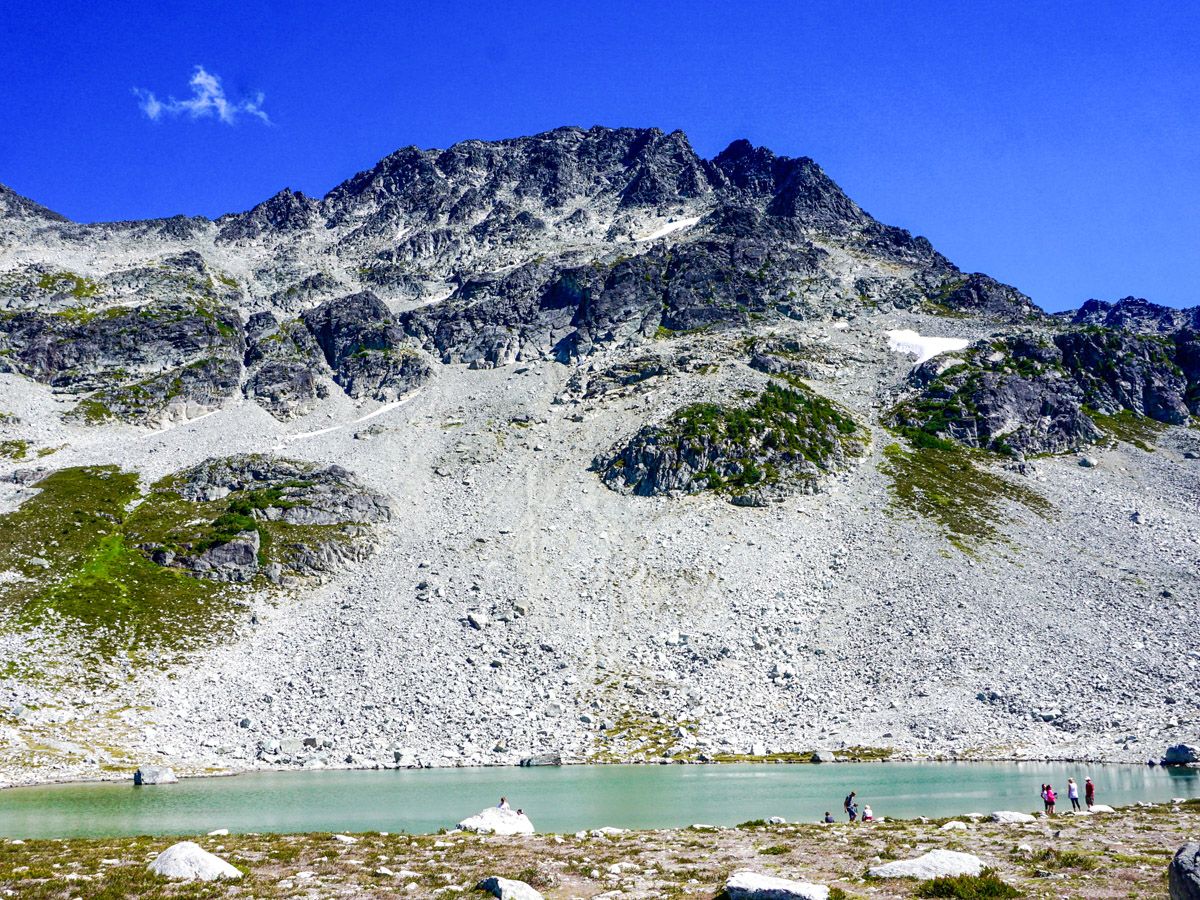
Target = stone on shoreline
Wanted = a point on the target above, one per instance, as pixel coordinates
(934, 864)
(542, 759)
(188, 861)
(1008, 817)
(1181, 755)
(753, 886)
(494, 820)
(154, 775)
(508, 889)
(1184, 873)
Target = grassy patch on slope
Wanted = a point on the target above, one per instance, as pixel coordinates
(1129, 427)
(942, 483)
(75, 547)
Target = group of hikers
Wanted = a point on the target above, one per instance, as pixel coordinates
(850, 807)
(1050, 797)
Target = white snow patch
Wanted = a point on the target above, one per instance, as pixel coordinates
(666, 229)
(387, 407)
(924, 348)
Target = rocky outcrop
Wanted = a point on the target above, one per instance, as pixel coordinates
(1032, 394)
(247, 515)
(1134, 314)
(177, 394)
(754, 886)
(14, 206)
(284, 366)
(934, 864)
(981, 295)
(288, 211)
(365, 348)
(168, 359)
(1183, 875)
(188, 861)
(787, 441)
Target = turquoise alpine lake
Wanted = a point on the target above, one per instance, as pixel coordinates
(564, 799)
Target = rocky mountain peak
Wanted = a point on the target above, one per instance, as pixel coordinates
(15, 206)
(287, 211)
(1135, 314)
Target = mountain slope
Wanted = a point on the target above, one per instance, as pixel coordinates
(538, 370)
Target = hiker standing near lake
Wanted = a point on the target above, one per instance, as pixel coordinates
(1051, 797)
(1073, 793)
(1089, 793)
(848, 806)
(1045, 797)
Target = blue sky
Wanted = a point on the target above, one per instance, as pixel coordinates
(1055, 146)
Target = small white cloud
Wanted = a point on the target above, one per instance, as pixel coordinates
(208, 100)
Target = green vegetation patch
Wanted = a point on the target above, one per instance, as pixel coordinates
(634, 734)
(1129, 427)
(14, 449)
(68, 283)
(1053, 858)
(76, 548)
(987, 885)
(107, 564)
(786, 433)
(945, 485)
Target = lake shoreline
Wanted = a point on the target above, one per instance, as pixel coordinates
(184, 773)
(1102, 857)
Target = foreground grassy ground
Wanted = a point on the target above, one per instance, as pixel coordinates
(1124, 854)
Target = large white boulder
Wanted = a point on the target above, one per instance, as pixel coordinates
(508, 889)
(494, 820)
(188, 861)
(753, 886)
(933, 864)
(1100, 808)
(1008, 817)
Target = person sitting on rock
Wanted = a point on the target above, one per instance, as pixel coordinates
(503, 804)
(828, 817)
(867, 815)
